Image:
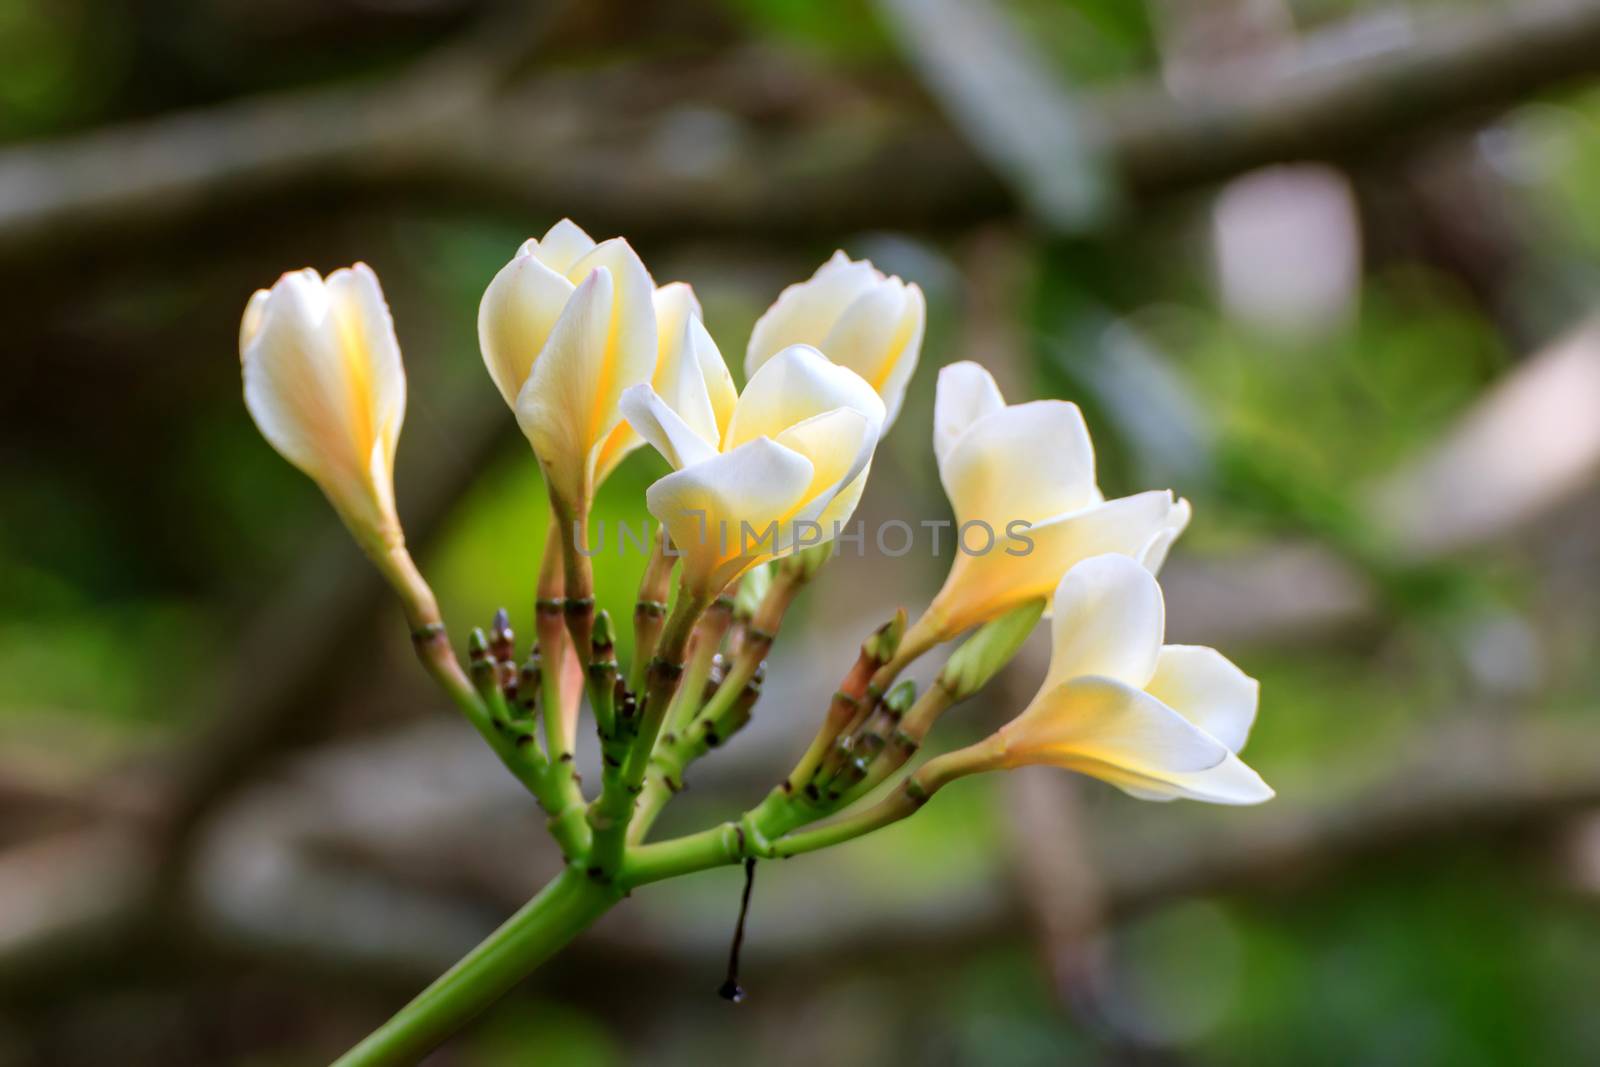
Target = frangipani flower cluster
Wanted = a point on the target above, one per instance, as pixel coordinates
(594, 360)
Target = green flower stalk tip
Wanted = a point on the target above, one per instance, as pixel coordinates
(885, 640)
(901, 697)
(604, 636)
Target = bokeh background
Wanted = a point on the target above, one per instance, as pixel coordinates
(1327, 267)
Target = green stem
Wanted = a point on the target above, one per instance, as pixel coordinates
(610, 814)
(703, 650)
(554, 699)
(650, 610)
(577, 574)
(544, 925)
(731, 842)
(675, 752)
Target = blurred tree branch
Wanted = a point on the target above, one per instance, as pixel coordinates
(1007, 101)
(1451, 66)
(341, 852)
(144, 174)
(685, 160)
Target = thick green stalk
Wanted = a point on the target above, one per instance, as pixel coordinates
(650, 609)
(728, 709)
(558, 692)
(734, 841)
(577, 574)
(675, 753)
(708, 634)
(546, 923)
(610, 814)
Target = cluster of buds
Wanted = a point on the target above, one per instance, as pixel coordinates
(595, 360)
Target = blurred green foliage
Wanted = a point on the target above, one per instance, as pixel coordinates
(561, 1035)
(838, 29)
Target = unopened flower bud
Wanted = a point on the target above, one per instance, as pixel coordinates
(604, 636)
(324, 383)
(859, 317)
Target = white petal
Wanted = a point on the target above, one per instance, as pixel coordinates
(250, 324)
(684, 336)
(563, 245)
(1026, 563)
(714, 373)
(840, 262)
(1031, 461)
(843, 505)
(839, 444)
(1126, 526)
(1090, 724)
(797, 384)
(681, 380)
(903, 363)
(297, 382)
(966, 393)
(871, 331)
(806, 311)
(561, 408)
(1230, 782)
(1154, 554)
(519, 309)
(632, 346)
(1109, 620)
(653, 419)
(1204, 687)
(370, 344)
(675, 304)
(705, 507)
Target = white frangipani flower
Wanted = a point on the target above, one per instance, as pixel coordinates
(1026, 473)
(565, 327)
(857, 317)
(324, 383)
(1157, 721)
(755, 479)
